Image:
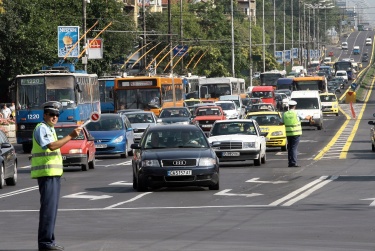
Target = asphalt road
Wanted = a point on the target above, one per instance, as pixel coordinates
(327, 204)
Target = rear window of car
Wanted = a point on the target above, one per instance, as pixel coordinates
(107, 124)
(61, 132)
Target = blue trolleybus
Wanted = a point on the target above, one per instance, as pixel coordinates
(106, 92)
(77, 91)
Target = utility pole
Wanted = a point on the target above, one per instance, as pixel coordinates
(232, 31)
(84, 59)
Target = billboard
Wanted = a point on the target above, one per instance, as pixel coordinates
(67, 37)
(95, 48)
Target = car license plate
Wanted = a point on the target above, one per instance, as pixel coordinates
(101, 146)
(179, 172)
(206, 125)
(226, 154)
(304, 120)
(137, 135)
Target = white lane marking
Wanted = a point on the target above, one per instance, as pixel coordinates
(310, 191)
(124, 202)
(25, 190)
(256, 180)
(122, 183)
(24, 167)
(82, 195)
(137, 208)
(373, 203)
(225, 192)
(294, 193)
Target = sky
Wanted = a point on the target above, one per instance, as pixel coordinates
(365, 7)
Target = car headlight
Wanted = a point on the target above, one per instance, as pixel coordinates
(206, 162)
(248, 145)
(151, 163)
(75, 151)
(118, 139)
(277, 133)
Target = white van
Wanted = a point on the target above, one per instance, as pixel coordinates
(309, 104)
(237, 100)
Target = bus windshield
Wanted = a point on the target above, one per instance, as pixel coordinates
(34, 91)
(269, 78)
(308, 85)
(214, 90)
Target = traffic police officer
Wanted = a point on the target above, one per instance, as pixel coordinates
(47, 168)
(293, 128)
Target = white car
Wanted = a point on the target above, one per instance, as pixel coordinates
(368, 41)
(140, 121)
(342, 74)
(230, 109)
(238, 140)
(344, 45)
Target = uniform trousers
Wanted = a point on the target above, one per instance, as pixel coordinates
(49, 189)
(293, 142)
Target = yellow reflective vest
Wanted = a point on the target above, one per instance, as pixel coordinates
(292, 124)
(45, 162)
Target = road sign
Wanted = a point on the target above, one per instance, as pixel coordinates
(95, 116)
(180, 50)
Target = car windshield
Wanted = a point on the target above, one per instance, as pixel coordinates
(107, 124)
(226, 106)
(175, 139)
(245, 128)
(266, 119)
(208, 112)
(61, 132)
(140, 118)
(168, 113)
(328, 98)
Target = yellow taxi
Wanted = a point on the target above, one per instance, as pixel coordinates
(271, 122)
(189, 103)
(330, 104)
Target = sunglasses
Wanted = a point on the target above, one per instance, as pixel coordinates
(53, 114)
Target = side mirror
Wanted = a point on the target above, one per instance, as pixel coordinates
(371, 123)
(135, 146)
(90, 138)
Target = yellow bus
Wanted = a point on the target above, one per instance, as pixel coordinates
(316, 83)
(147, 93)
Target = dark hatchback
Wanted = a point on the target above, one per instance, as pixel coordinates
(174, 155)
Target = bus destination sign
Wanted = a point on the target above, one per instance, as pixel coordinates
(138, 83)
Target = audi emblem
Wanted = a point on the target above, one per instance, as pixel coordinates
(179, 162)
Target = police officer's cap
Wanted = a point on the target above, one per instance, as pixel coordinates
(52, 106)
(292, 103)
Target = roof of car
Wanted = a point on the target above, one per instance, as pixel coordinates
(139, 112)
(168, 127)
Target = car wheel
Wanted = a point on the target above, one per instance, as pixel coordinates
(264, 158)
(215, 187)
(320, 127)
(135, 184)
(373, 147)
(126, 154)
(141, 184)
(257, 162)
(27, 148)
(12, 181)
(2, 175)
(92, 164)
(337, 114)
(130, 153)
(283, 148)
(84, 167)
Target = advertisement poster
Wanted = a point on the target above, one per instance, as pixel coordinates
(279, 57)
(67, 36)
(287, 57)
(95, 48)
(295, 52)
